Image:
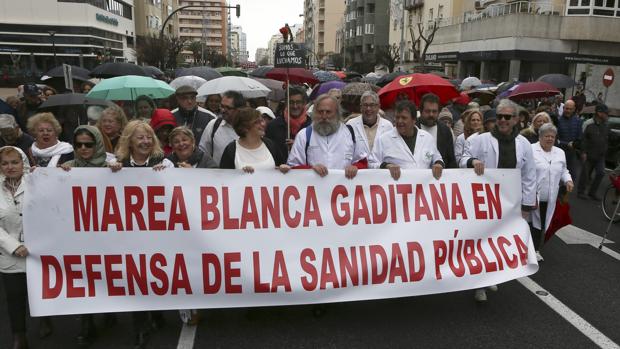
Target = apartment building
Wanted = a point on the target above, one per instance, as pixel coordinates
(321, 20)
(366, 28)
(206, 24)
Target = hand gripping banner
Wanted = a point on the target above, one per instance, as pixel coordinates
(188, 239)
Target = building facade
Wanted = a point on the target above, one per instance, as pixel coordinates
(148, 17)
(506, 40)
(321, 21)
(36, 35)
(240, 52)
(366, 28)
(261, 53)
(207, 25)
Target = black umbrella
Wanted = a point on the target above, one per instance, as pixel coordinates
(505, 86)
(153, 71)
(110, 70)
(78, 73)
(558, 80)
(387, 78)
(261, 71)
(67, 99)
(204, 72)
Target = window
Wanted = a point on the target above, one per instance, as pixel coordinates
(369, 28)
(430, 14)
(359, 30)
(371, 8)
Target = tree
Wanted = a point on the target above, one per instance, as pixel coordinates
(156, 51)
(214, 58)
(174, 47)
(337, 60)
(420, 44)
(196, 48)
(388, 55)
(263, 61)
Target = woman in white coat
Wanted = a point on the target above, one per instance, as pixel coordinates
(406, 146)
(13, 165)
(550, 171)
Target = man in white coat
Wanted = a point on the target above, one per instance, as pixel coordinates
(504, 147)
(369, 126)
(406, 146)
(328, 143)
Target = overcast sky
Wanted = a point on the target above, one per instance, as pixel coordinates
(261, 19)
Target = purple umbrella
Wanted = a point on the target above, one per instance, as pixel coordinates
(325, 87)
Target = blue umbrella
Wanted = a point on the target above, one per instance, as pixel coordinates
(324, 76)
(324, 87)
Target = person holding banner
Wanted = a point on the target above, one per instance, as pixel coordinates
(251, 151)
(369, 126)
(47, 150)
(185, 154)
(139, 147)
(13, 165)
(504, 147)
(328, 143)
(406, 146)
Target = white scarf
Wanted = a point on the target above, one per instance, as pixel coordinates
(54, 152)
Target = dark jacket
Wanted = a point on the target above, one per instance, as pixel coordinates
(24, 112)
(569, 130)
(24, 142)
(195, 119)
(198, 158)
(228, 157)
(276, 132)
(445, 145)
(595, 140)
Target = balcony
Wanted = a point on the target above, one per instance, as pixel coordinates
(413, 4)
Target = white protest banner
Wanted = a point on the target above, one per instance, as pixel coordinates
(186, 239)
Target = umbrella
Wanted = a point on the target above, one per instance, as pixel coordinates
(484, 96)
(78, 73)
(277, 88)
(530, 90)
(558, 80)
(72, 99)
(249, 88)
(462, 99)
(505, 86)
(324, 76)
(206, 73)
(324, 87)
(470, 82)
(261, 71)
(415, 86)
(387, 78)
(340, 74)
(358, 88)
(230, 71)
(110, 70)
(153, 71)
(351, 75)
(294, 75)
(128, 88)
(188, 80)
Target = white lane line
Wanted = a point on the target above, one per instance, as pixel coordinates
(573, 318)
(611, 252)
(186, 339)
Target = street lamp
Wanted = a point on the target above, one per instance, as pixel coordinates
(53, 34)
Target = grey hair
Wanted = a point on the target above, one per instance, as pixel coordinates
(371, 94)
(507, 103)
(547, 128)
(325, 96)
(7, 121)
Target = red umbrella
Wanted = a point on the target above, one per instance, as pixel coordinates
(295, 75)
(340, 74)
(416, 86)
(462, 99)
(530, 90)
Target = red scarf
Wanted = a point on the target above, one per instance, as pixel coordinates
(296, 123)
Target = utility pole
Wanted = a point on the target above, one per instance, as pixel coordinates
(52, 35)
(402, 35)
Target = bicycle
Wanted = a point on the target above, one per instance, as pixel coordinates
(611, 199)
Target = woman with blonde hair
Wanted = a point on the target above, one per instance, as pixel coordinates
(531, 133)
(111, 124)
(472, 125)
(47, 150)
(138, 147)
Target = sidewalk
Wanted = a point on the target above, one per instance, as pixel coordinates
(5, 92)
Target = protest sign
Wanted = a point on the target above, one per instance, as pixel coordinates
(290, 55)
(186, 239)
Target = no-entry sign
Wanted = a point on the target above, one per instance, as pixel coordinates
(608, 77)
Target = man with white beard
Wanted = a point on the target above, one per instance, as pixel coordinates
(328, 143)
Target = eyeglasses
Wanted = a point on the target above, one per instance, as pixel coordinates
(296, 102)
(78, 145)
(504, 116)
(225, 107)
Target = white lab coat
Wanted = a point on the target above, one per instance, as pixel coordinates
(391, 148)
(336, 151)
(485, 148)
(459, 146)
(360, 134)
(550, 170)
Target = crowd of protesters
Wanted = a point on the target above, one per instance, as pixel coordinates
(230, 132)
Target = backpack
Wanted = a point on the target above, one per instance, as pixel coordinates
(217, 124)
(309, 135)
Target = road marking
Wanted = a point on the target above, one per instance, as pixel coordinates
(186, 339)
(573, 318)
(571, 235)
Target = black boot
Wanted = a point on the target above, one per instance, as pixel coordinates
(88, 331)
(45, 327)
(19, 341)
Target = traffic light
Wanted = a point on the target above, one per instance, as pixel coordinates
(238, 10)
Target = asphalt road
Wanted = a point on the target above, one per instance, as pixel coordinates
(581, 277)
